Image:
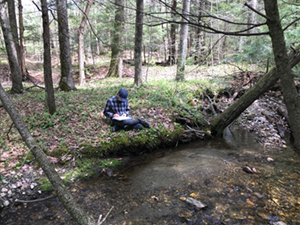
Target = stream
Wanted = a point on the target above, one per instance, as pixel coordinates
(152, 188)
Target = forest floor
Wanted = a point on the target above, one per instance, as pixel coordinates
(265, 118)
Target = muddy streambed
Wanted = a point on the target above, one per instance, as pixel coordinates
(152, 188)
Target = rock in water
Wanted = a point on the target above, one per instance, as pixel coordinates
(279, 223)
(6, 203)
(195, 203)
(247, 169)
(269, 159)
(108, 172)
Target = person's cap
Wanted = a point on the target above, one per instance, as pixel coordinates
(123, 94)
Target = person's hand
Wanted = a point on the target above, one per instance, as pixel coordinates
(124, 115)
(116, 115)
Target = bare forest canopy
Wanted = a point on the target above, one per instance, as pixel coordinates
(219, 31)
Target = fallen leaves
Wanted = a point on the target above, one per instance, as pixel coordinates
(193, 195)
(53, 160)
(183, 198)
(250, 203)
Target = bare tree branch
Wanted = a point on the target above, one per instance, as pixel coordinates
(92, 29)
(291, 3)
(259, 13)
(36, 6)
(291, 24)
(36, 200)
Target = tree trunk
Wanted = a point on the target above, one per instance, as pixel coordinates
(183, 40)
(220, 122)
(17, 86)
(116, 62)
(62, 192)
(290, 95)
(22, 49)
(252, 15)
(138, 48)
(14, 28)
(66, 82)
(47, 60)
(198, 35)
(81, 30)
(172, 47)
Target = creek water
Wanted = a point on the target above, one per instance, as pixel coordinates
(152, 188)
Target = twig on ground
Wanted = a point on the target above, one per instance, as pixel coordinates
(36, 200)
(199, 133)
(237, 67)
(25, 158)
(7, 134)
(100, 222)
(211, 104)
(34, 84)
(99, 219)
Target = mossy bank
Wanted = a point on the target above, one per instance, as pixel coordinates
(124, 143)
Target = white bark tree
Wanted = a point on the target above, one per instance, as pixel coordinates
(183, 40)
(81, 31)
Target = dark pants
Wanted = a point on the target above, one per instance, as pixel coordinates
(129, 124)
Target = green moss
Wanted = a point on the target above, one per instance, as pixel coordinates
(63, 150)
(124, 143)
(111, 163)
(94, 151)
(191, 102)
(85, 168)
(64, 86)
(85, 145)
(29, 159)
(168, 137)
(45, 184)
(67, 177)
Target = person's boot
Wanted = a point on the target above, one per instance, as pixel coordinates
(144, 123)
(116, 128)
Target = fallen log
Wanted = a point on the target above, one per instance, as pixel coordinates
(220, 122)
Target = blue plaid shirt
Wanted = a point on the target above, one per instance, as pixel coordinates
(113, 105)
